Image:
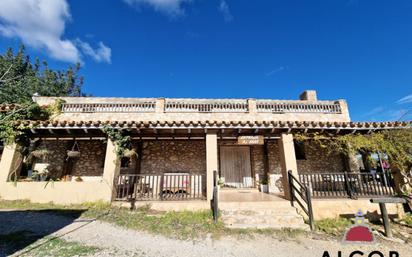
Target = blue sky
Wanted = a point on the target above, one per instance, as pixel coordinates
(360, 50)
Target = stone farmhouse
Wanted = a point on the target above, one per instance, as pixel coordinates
(183, 148)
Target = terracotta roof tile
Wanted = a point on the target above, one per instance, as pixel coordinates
(8, 107)
(222, 124)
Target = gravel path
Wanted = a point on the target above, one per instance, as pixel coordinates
(117, 241)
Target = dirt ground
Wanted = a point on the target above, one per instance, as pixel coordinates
(117, 241)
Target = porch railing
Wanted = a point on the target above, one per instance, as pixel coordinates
(348, 185)
(141, 187)
(300, 194)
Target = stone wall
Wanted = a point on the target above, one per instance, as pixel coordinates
(173, 156)
(56, 156)
(318, 160)
(274, 157)
(90, 162)
(257, 159)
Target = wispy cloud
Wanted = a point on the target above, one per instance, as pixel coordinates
(277, 70)
(400, 114)
(404, 100)
(100, 54)
(40, 24)
(374, 111)
(172, 8)
(224, 9)
(387, 114)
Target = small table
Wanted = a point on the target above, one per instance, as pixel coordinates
(384, 212)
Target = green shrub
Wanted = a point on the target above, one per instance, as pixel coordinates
(333, 227)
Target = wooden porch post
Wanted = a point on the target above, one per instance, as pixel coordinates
(10, 161)
(211, 163)
(288, 161)
(111, 169)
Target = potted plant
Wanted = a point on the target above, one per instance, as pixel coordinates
(40, 153)
(78, 179)
(221, 181)
(129, 153)
(74, 152)
(264, 185)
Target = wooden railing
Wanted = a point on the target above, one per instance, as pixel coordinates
(145, 106)
(215, 199)
(299, 107)
(300, 194)
(140, 187)
(176, 105)
(348, 185)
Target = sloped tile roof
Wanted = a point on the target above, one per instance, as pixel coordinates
(221, 124)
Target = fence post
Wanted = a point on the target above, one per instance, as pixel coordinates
(215, 199)
(347, 185)
(161, 186)
(310, 210)
(290, 180)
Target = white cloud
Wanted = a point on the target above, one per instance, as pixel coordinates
(406, 99)
(172, 8)
(40, 24)
(224, 9)
(100, 54)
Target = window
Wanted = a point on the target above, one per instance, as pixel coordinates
(300, 150)
(125, 162)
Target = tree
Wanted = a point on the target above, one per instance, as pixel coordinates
(20, 78)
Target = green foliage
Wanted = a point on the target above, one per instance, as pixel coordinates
(397, 144)
(407, 219)
(59, 247)
(120, 138)
(334, 227)
(20, 78)
(9, 132)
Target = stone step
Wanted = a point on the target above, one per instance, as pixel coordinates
(277, 215)
(255, 205)
(304, 227)
(277, 212)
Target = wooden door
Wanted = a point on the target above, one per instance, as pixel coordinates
(235, 166)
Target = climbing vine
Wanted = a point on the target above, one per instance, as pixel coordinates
(122, 141)
(396, 144)
(10, 132)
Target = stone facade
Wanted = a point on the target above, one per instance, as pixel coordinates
(173, 156)
(274, 157)
(157, 157)
(89, 163)
(319, 161)
(91, 160)
(55, 158)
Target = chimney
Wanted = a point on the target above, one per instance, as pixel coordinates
(308, 95)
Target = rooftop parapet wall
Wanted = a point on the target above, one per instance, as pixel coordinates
(178, 109)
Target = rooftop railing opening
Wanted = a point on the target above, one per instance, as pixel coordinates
(206, 106)
(282, 107)
(146, 106)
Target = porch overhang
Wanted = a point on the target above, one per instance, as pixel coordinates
(175, 129)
